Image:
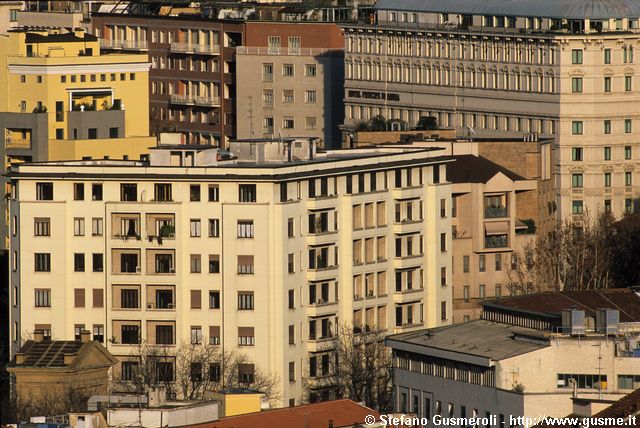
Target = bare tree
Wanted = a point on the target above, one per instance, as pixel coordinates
(575, 255)
(358, 368)
(50, 402)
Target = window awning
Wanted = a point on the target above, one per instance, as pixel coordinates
(496, 228)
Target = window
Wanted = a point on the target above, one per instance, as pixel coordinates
(443, 242)
(582, 381)
(576, 153)
(310, 70)
(576, 56)
(498, 291)
(465, 264)
(498, 264)
(287, 70)
(44, 191)
(162, 192)
(78, 226)
(267, 72)
(194, 228)
(310, 123)
(482, 291)
(214, 300)
(607, 127)
(164, 335)
(130, 334)
(245, 265)
(292, 371)
(43, 298)
(628, 381)
(13, 15)
(288, 96)
(78, 262)
(627, 126)
(97, 260)
(267, 125)
(443, 310)
(96, 226)
(128, 192)
(245, 300)
(482, 266)
(576, 180)
(42, 226)
(195, 262)
(247, 192)
(96, 192)
(246, 336)
(607, 179)
(288, 122)
(214, 228)
(627, 83)
(78, 297)
(290, 227)
(215, 373)
(245, 228)
(129, 298)
(164, 371)
(607, 84)
(576, 84)
(42, 262)
(246, 373)
(627, 152)
(214, 193)
(628, 180)
(78, 191)
(607, 56)
(310, 97)
(196, 337)
(465, 293)
(194, 193)
(576, 207)
(214, 263)
(576, 127)
(628, 205)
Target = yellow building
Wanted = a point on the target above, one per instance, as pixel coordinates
(265, 252)
(63, 99)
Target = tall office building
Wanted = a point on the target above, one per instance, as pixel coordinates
(523, 67)
(267, 253)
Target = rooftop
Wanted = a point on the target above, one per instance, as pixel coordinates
(552, 303)
(343, 413)
(484, 339)
(476, 169)
(629, 405)
(51, 354)
(553, 9)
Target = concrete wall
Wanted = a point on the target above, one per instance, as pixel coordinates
(79, 122)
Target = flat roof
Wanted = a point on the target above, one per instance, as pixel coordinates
(554, 9)
(484, 339)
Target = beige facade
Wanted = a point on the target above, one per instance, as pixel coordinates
(569, 77)
(9, 11)
(263, 255)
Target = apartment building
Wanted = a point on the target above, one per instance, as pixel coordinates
(267, 250)
(290, 81)
(507, 70)
(192, 86)
(64, 99)
(528, 356)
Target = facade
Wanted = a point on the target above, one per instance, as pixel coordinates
(64, 99)
(267, 250)
(192, 86)
(9, 11)
(290, 81)
(44, 368)
(523, 358)
(529, 67)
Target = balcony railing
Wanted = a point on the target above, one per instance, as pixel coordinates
(495, 212)
(273, 50)
(195, 48)
(195, 100)
(124, 44)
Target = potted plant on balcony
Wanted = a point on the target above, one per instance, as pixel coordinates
(167, 231)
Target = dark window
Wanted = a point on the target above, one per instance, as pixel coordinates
(44, 191)
(247, 192)
(162, 192)
(194, 193)
(130, 334)
(312, 188)
(59, 133)
(398, 178)
(164, 263)
(245, 373)
(214, 300)
(164, 335)
(128, 192)
(113, 132)
(283, 192)
(43, 262)
(129, 263)
(215, 374)
(214, 193)
(214, 264)
(164, 299)
(92, 133)
(129, 298)
(78, 191)
(98, 265)
(361, 183)
(436, 174)
(349, 179)
(78, 262)
(129, 370)
(96, 192)
(195, 372)
(59, 112)
(291, 298)
(164, 371)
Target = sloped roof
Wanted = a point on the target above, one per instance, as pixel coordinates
(476, 169)
(552, 303)
(54, 38)
(555, 9)
(629, 405)
(50, 354)
(343, 413)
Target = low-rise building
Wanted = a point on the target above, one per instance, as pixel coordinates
(266, 249)
(528, 356)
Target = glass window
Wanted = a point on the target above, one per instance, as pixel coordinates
(576, 56)
(576, 180)
(576, 207)
(576, 127)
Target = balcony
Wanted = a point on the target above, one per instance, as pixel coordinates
(322, 308)
(195, 48)
(495, 212)
(195, 100)
(133, 45)
(17, 141)
(280, 51)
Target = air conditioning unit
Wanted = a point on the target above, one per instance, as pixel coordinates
(137, 269)
(150, 306)
(171, 306)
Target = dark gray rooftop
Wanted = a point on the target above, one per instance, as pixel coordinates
(479, 338)
(555, 9)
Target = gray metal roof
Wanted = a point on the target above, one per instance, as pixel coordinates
(556, 9)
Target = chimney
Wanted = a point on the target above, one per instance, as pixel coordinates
(85, 336)
(38, 335)
(68, 359)
(79, 32)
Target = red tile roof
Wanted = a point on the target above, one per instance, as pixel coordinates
(629, 405)
(343, 413)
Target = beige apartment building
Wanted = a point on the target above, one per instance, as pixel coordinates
(290, 81)
(266, 250)
(548, 68)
